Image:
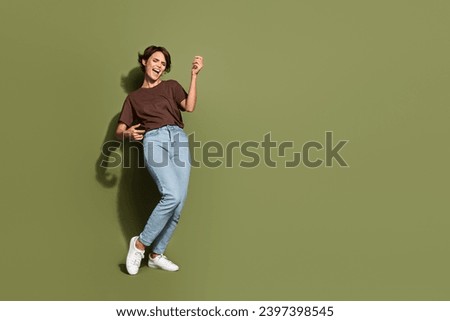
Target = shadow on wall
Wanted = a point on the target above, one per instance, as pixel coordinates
(137, 194)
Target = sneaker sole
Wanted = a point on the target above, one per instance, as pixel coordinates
(153, 266)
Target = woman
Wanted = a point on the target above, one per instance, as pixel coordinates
(152, 114)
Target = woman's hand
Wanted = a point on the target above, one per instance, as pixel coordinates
(135, 134)
(132, 132)
(197, 65)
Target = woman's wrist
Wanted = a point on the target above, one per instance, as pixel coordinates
(126, 134)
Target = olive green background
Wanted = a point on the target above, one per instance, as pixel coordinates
(375, 73)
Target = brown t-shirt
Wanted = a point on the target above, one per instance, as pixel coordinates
(154, 107)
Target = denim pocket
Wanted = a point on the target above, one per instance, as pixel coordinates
(181, 135)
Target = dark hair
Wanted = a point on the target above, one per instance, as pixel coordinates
(150, 51)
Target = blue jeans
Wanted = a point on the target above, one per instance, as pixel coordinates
(167, 159)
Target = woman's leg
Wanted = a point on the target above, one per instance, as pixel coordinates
(157, 152)
(181, 164)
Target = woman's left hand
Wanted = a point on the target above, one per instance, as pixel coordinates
(197, 65)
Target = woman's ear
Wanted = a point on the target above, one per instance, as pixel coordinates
(144, 62)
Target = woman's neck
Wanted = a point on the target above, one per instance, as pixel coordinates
(149, 83)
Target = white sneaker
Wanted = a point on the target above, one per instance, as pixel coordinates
(162, 262)
(134, 257)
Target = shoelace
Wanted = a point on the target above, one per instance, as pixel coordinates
(138, 256)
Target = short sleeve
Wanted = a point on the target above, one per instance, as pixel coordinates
(127, 115)
(179, 94)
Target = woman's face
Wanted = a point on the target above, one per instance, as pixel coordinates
(155, 65)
